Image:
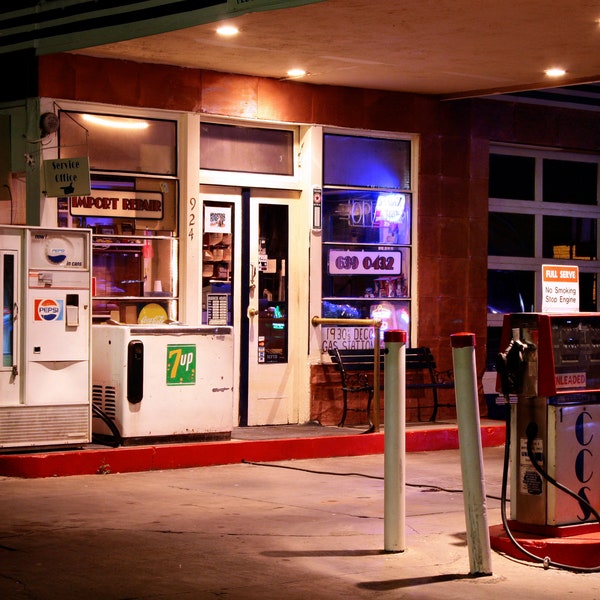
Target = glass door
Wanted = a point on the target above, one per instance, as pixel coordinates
(262, 279)
(270, 280)
(9, 371)
(270, 312)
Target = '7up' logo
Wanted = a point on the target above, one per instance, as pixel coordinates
(181, 364)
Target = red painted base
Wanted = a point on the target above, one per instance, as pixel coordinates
(89, 461)
(580, 551)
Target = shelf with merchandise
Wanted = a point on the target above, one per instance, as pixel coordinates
(216, 257)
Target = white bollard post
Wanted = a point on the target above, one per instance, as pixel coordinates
(394, 411)
(469, 434)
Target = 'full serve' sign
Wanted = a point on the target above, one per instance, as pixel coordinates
(560, 289)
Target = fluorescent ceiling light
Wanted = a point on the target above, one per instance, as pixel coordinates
(116, 122)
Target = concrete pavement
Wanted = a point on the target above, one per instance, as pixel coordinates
(289, 530)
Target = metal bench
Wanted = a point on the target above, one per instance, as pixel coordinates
(356, 365)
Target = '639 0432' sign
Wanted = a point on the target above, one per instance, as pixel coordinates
(348, 262)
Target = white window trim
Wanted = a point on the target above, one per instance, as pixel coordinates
(257, 180)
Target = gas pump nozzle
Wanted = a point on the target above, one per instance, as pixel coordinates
(511, 365)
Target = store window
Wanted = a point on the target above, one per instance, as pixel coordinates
(366, 162)
(512, 177)
(134, 249)
(217, 263)
(248, 156)
(245, 149)
(120, 144)
(570, 181)
(133, 217)
(511, 234)
(543, 208)
(367, 236)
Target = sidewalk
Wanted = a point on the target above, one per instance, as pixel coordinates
(283, 530)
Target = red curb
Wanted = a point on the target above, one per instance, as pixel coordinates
(61, 463)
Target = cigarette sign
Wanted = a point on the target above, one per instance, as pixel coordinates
(560, 289)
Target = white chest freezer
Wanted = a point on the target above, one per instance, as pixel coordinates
(162, 383)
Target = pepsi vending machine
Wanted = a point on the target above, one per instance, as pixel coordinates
(554, 380)
(45, 377)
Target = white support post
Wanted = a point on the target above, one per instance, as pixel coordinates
(469, 434)
(394, 440)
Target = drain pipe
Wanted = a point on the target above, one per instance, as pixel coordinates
(394, 410)
(469, 434)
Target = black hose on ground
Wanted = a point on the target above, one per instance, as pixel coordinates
(116, 440)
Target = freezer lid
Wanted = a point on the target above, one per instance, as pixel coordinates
(180, 330)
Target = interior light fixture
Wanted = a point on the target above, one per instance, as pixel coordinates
(227, 30)
(555, 72)
(296, 73)
(115, 122)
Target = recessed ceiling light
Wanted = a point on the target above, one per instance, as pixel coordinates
(555, 72)
(228, 30)
(296, 73)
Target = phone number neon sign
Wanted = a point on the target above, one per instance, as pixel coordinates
(345, 262)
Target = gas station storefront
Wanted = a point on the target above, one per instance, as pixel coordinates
(229, 257)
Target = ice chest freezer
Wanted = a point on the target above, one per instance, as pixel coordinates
(162, 383)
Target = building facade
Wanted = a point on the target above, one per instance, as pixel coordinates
(259, 204)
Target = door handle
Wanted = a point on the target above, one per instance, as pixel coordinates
(252, 312)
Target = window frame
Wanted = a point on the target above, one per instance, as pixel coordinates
(409, 301)
(539, 209)
(255, 180)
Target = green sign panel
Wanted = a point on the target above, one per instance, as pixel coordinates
(181, 364)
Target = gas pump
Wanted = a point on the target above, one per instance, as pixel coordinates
(550, 373)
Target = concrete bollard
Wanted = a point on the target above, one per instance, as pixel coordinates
(394, 411)
(469, 434)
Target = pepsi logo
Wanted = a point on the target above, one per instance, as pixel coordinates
(48, 309)
(57, 250)
(56, 255)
